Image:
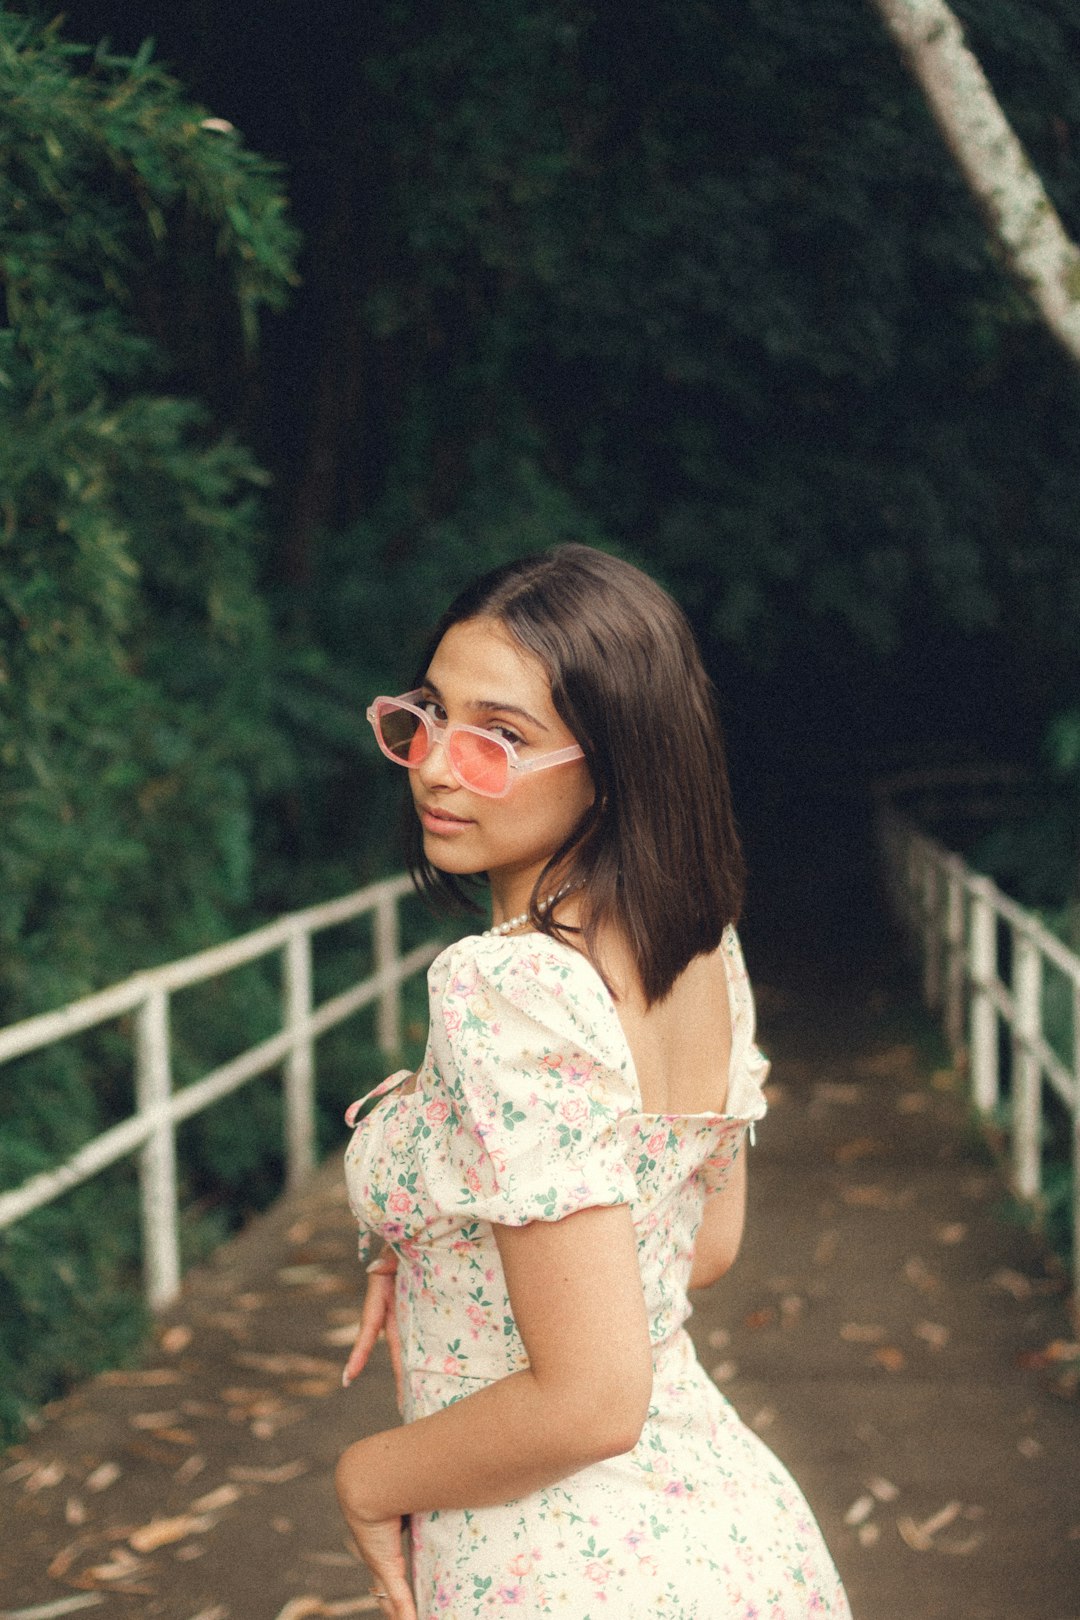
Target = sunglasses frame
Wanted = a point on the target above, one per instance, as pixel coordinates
(441, 735)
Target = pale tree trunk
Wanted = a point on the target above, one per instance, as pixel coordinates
(1022, 219)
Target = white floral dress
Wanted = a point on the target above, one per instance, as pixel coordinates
(526, 1107)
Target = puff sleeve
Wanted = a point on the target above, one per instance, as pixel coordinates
(529, 1078)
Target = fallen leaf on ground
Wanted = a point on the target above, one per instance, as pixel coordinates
(316, 1388)
(723, 1371)
(760, 1318)
(120, 1566)
(163, 1532)
(176, 1338)
(300, 1231)
(932, 1334)
(214, 1501)
(342, 1335)
(250, 1302)
(218, 1612)
(859, 1511)
(53, 1611)
(286, 1365)
(75, 1511)
(791, 1308)
(190, 1469)
(44, 1477)
(883, 1489)
(64, 1559)
(951, 1232)
(920, 1276)
(912, 1102)
(1029, 1447)
(19, 1470)
(862, 1333)
(1012, 1282)
(895, 1060)
(869, 1534)
(154, 1420)
(103, 1476)
(763, 1418)
(868, 1195)
(719, 1339)
(889, 1357)
(271, 1476)
(960, 1547)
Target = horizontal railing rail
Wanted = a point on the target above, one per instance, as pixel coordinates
(150, 1131)
(986, 967)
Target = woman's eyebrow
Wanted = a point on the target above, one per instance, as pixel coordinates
(485, 705)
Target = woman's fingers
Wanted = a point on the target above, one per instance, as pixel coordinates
(393, 1344)
(378, 1307)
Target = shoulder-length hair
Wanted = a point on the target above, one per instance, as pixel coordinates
(657, 854)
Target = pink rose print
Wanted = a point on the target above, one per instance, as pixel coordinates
(451, 1366)
(600, 1573)
(476, 1317)
(436, 1112)
(656, 1144)
(472, 1178)
(574, 1110)
(520, 1565)
(511, 1595)
(400, 1202)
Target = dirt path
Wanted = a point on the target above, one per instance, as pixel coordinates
(896, 1342)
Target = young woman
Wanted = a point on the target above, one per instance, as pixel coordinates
(568, 1160)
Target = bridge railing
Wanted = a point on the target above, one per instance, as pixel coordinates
(150, 1132)
(992, 969)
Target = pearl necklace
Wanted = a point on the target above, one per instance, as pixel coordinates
(517, 922)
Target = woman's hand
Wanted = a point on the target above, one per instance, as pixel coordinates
(378, 1542)
(377, 1317)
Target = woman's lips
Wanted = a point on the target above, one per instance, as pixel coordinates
(442, 821)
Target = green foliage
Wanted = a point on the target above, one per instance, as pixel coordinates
(136, 724)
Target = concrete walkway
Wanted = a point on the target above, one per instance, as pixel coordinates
(900, 1345)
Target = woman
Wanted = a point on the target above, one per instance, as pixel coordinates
(567, 1160)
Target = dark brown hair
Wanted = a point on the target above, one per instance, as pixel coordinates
(656, 854)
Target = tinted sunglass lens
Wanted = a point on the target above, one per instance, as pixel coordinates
(404, 735)
(480, 762)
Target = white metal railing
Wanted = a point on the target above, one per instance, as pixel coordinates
(961, 920)
(151, 1130)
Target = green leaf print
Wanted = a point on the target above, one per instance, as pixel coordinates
(511, 1116)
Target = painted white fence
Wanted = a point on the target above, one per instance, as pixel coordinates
(986, 962)
(151, 1130)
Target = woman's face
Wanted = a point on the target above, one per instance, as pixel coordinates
(481, 676)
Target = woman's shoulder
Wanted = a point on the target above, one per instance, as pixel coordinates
(509, 985)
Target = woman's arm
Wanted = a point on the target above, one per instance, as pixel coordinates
(575, 1291)
(721, 1229)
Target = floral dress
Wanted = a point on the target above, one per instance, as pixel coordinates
(526, 1107)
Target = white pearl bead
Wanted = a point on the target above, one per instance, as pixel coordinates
(516, 922)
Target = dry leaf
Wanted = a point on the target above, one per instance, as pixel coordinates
(103, 1476)
(190, 1469)
(120, 1566)
(250, 1302)
(760, 1318)
(791, 1308)
(859, 1511)
(723, 1371)
(300, 1231)
(19, 1470)
(932, 1334)
(189, 1552)
(214, 1501)
(832, 1091)
(951, 1232)
(883, 1489)
(174, 1339)
(218, 1612)
(286, 1365)
(912, 1535)
(342, 1336)
(1029, 1447)
(271, 1476)
(1012, 1282)
(53, 1611)
(154, 1420)
(44, 1477)
(75, 1511)
(719, 1339)
(862, 1333)
(869, 1534)
(163, 1532)
(896, 1060)
(942, 1519)
(962, 1546)
(64, 1559)
(867, 1195)
(763, 1418)
(889, 1357)
(920, 1276)
(314, 1387)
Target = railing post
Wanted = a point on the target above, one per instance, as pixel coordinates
(982, 949)
(931, 929)
(387, 952)
(1027, 1068)
(954, 954)
(1076, 1158)
(300, 1063)
(157, 1159)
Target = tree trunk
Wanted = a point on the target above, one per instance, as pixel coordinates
(1022, 219)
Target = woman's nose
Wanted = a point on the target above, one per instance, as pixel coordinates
(434, 769)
